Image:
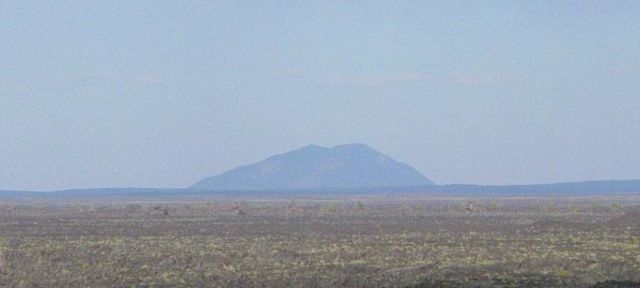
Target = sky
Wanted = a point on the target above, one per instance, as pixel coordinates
(164, 93)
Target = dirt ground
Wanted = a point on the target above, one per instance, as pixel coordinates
(383, 241)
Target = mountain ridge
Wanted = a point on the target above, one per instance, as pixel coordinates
(312, 166)
(581, 188)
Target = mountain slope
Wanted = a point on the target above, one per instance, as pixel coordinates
(343, 166)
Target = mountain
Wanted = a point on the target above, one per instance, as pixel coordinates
(316, 167)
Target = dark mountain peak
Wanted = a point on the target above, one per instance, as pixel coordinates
(301, 153)
(342, 166)
(358, 150)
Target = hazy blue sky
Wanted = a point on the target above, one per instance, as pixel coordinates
(163, 93)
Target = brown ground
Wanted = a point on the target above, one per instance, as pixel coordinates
(344, 242)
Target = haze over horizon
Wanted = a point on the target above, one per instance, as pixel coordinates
(151, 94)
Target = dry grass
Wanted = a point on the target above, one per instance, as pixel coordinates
(419, 242)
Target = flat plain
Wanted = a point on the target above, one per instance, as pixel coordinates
(359, 241)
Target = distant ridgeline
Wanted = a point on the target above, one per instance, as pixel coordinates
(554, 189)
(341, 170)
(557, 189)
